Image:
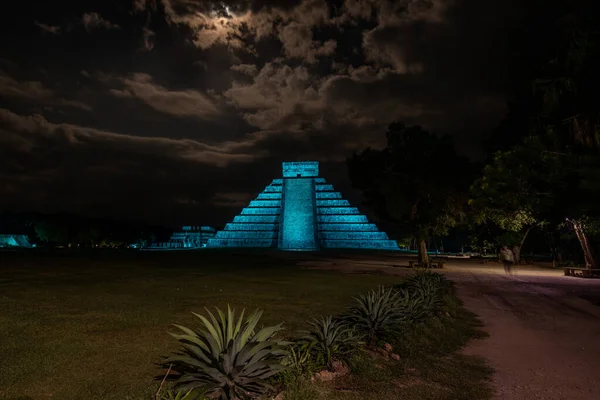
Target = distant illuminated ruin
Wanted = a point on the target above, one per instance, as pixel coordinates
(300, 211)
(15, 241)
(190, 237)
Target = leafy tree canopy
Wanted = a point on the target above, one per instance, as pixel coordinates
(417, 182)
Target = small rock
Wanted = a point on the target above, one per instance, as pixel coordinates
(387, 347)
(279, 396)
(325, 376)
(395, 357)
(382, 352)
(339, 368)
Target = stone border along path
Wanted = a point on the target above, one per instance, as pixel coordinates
(544, 327)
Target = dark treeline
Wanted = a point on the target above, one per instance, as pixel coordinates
(539, 186)
(70, 230)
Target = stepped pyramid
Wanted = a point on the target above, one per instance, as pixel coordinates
(300, 211)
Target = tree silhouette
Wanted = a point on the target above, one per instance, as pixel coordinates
(417, 183)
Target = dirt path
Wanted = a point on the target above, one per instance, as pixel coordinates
(544, 328)
(544, 337)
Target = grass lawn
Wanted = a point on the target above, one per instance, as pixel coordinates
(92, 325)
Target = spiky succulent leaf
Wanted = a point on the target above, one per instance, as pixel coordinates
(329, 339)
(227, 358)
(377, 311)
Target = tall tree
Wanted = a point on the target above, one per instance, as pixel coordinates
(569, 112)
(553, 174)
(417, 182)
(517, 190)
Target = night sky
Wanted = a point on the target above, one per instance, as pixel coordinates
(181, 111)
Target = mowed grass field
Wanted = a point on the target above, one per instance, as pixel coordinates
(91, 325)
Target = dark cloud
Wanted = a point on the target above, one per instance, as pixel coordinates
(181, 110)
(94, 20)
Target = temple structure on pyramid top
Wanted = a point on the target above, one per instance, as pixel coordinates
(301, 211)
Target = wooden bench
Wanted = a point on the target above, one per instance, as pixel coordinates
(434, 263)
(584, 272)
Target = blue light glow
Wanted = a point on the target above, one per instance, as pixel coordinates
(333, 203)
(189, 237)
(305, 169)
(260, 211)
(353, 235)
(298, 217)
(301, 212)
(265, 203)
(328, 195)
(14, 241)
(323, 187)
(233, 226)
(337, 210)
(246, 235)
(253, 219)
(269, 196)
(352, 218)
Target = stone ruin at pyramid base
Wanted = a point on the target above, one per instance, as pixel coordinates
(301, 212)
(189, 237)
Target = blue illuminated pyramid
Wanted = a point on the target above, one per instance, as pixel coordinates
(300, 211)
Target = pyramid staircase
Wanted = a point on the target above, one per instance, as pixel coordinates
(301, 211)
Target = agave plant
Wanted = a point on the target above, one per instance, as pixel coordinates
(429, 282)
(331, 339)
(421, 305)
(300, 360)
(377, 311)
(226, 358)
(425, 291)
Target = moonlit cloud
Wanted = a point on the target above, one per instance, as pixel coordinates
(193, 104)
(35, 91)
(46, 28)
(188, 102)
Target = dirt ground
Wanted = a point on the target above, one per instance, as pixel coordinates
(544, 328)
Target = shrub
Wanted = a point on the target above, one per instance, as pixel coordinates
(299, 362)
(227, 359)
(428, 282)
(425, 293)
(330, 339)
(376, 312)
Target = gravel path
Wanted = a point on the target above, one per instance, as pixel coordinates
(544, 336)
(544, 327)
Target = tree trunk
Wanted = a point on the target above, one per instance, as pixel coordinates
(517, 248)
(423, 257)
(588, 253)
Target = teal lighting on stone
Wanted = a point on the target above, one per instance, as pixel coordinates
(304, 169)
(301, 211)
(188, 238)
(298, 224)
(15, 241)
